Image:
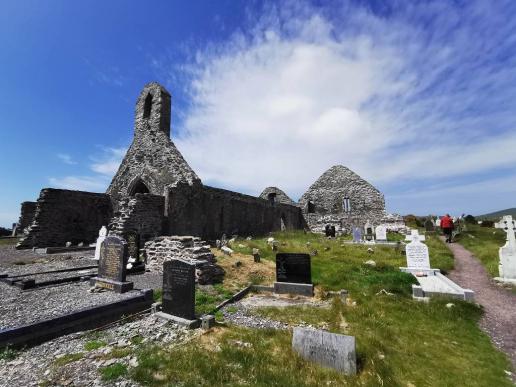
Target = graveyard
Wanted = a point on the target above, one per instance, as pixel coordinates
(398, 340)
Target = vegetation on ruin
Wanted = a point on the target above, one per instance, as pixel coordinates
(399, 341)
(8, 353)
(94, 344)
(68, 358)
(113, 371)
(484, 243)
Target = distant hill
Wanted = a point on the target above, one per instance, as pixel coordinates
(498, 214)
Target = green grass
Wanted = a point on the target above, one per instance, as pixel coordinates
(68, 358)
(157, 295)
(94, 344)
(400, 342)
(8, 354)
(113, 371)
(8, 241)
(207, 298)
(484, 243)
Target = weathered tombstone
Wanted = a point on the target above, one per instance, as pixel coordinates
(100, 239)
(417, 254)
(357, 235)
(381, 233)
(179, 292)
(438, 222)
(429, 225)
(333, 232)
(256, 255)
(368, 230)
(327, 349)
(293, 274)
(112, 266)
(507, 253)
(327, 230)
(414, 234)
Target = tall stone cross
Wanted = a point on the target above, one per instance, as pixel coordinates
(414, 236)
(507, 253)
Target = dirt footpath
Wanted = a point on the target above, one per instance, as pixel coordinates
(499, 320)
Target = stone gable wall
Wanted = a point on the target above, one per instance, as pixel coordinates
(280, 196)
(28, 210)
(66, 216)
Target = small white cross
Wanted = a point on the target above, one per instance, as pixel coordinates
(414, 236)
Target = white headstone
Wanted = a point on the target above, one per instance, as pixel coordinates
(507, 253)
(381, 233)
(414, 236)
(100, 239)
(417, 255)
(438, 222)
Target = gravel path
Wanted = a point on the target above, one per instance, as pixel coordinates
(499, 320)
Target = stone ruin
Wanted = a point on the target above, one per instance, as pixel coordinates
(187, 248)
(155, 192)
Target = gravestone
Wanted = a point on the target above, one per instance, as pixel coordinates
(429, 225)
(417, 253)
(333, 232)
(293, 274)
(327, 349)
(100, 239)
(112, 266)
(507, 253)
(368, 231)
(179, 289)
(438, 222)
(414, 234)
(381, 233)
(256, 255)
(357, 235)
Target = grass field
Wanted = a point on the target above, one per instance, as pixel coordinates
(400, 342)
(484, 243)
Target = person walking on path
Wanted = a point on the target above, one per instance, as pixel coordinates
(447, 227)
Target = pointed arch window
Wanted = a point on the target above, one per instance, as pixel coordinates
(147, 106)
(346, 205)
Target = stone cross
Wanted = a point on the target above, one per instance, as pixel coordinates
(507, 253)
(414, 236)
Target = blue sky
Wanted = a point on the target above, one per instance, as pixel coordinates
(419, 98)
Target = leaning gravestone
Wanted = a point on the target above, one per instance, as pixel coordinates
(112, 266)
(368, 229)
(100, 239)
(507, 253)
(381, 233)
(293, 274)
(327, 349)
(417, 254)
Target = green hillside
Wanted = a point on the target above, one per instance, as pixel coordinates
(498, 214)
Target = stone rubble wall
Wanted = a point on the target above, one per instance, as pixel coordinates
(327, 194)
(142, 214)
(192, 249)
(66, 216)
(152, 157)
(28, 210)
(210, 212)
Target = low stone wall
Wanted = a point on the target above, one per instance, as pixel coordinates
(66, 216)
(210, 212)
(188, 248)
(142, 214)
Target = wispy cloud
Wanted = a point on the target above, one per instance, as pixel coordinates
(65, 158)
(426, 92)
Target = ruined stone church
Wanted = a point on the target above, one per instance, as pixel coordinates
(155, 192)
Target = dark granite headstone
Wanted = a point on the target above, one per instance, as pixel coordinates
(327, 230)
(333, 232)
(179, 289)
(429, 225)
(293, 268)
(112, 265)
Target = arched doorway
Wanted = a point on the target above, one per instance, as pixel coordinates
(138, 187)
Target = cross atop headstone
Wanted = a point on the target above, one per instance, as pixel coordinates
(509, 226)
(414, 236)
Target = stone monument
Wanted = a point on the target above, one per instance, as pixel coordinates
(381, 233)
(507, 253)
(293, 274)
(179, 293)
(327, 349)
(417, 253)
(368, 232)
(100, 239)
(357, 235)
(112, 266)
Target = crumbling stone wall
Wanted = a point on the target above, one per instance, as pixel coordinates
(152, 163)
(323, 204)
(188, 248)
(274, 194)
(28, 210)
(210, 212)
(142, 214)
(66, 216)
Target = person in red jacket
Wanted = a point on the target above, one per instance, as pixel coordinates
(447, 227)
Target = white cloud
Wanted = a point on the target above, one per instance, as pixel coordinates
(303, 90)
(80, 183)
(109, 161)
(67, 159)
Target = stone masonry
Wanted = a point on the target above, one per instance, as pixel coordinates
(188, 248)
(323, 203)
(28, 210)
(275, 195)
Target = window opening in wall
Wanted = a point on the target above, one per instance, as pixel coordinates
(147, 106)
(139, 187)
(271, 197)
(346, 205)
(310, 207)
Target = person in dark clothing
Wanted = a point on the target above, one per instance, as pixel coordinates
(447, 227)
